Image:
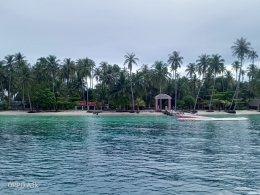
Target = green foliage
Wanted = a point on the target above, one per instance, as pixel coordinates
(180, 103)
(189, 101)
(75, 98)
(66, 105)
(121, 101)
(3, 106)
(44, 99)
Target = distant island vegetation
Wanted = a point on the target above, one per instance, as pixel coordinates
(53, 84)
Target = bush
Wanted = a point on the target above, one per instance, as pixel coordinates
(4, 106)
(189, 101)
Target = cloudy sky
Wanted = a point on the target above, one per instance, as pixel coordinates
(104, 30)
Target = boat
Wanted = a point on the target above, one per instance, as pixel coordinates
(212, 119)
(183, 115)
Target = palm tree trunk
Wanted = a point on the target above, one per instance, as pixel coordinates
(9, 90)
(175, 105)
(2, 91)
(132, 92)
(146, 95)
(238, 83)
(87, 97)
(212, 91)
(161, 99)
(237, 90)
(29, 100)
(82, 87)
(201, 84)
(23, 97)
(222, 82)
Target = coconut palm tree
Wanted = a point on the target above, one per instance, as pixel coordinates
(202, 66)
(191, 71)
(2, 78)
(138, 83)
(216, 62)
(146, 74)
(67, 70)
(235, 67)
(52, 67)
(229, 78)
(24, 77)
(83, 72)
(160, 75)
(175, 61)
(40, 70)
(222, 70)
(139, 102)
(121, 90)
(19, 58)
(252, 55)
(9, 61)
(243, 73)
(130, 60)
(241, 49)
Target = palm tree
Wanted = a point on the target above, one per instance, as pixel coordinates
(130, 59)
(235, 66)
(216, 62)
(243, 72)
(67, 72)
(203, 63)
(222, 70)
(252, 55)
(52, 67)
(2, 78)
(146, 73)
(251, 71)
(121, 90)
(40, 70)
(25, 78)
(92, 65)
(9, 63)
(19, 58)
(240, 49)
(160, 75)
(138, 83)
(83, 72)
(191, 71)
(175, 60)
(229, 78)
(139, 102)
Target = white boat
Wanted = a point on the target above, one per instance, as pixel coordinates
(212, 119)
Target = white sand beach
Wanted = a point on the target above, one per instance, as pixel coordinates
(113, 113)
(79, 113)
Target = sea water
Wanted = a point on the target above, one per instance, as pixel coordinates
(128, 155)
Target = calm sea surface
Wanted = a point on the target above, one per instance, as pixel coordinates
(128, 155)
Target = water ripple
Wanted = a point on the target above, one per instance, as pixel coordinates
(129, 155)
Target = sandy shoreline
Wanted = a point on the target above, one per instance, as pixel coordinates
(79, 113)
(113, 113)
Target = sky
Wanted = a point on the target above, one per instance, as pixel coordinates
(105, 30)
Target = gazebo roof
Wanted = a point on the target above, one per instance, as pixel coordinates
(162, 96)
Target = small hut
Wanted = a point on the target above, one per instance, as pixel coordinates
(254, 104)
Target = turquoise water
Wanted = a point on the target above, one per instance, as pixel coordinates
(128, 155)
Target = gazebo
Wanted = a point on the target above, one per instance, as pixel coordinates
(162, 97)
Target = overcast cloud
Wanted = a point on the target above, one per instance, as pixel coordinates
(104, 30)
